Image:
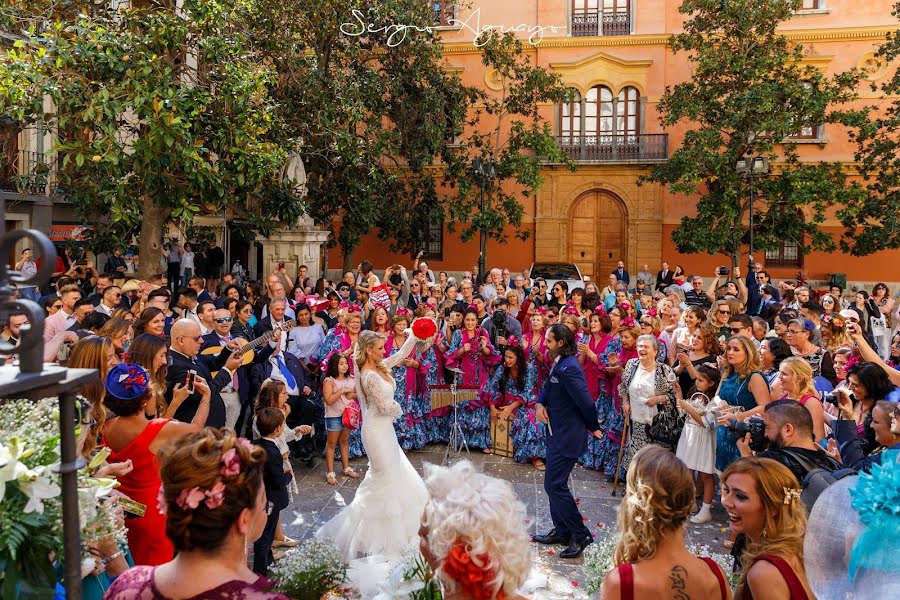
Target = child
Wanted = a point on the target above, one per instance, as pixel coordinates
(273, 394)
(276, 477)
(697, 445)
(338, 390)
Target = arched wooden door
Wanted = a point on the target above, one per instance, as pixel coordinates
(597, 234)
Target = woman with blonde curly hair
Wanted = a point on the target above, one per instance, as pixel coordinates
(796, 379)
(473, 533)
(215, 505)
(650, 557)
(762, 498)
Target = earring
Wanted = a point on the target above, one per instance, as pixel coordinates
(765, 534)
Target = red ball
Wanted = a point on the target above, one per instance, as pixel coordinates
(424, 328)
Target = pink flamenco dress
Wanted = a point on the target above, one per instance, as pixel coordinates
(474, 415)
(613, 419)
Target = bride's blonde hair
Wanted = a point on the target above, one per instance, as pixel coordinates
(366, 340)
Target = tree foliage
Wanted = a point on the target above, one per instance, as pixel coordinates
(875, 215)
(161, 112)
(748, 95)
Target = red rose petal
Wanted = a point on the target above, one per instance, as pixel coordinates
(574, 584)
(550, 552)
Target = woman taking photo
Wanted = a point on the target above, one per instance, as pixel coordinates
(797, 384)
(868, 384)
(703, 348)
(651, 558)
(694, 317)
(744, 389)
(762, 498)
(847, 439)
(132, 436)
(773, 351)
(212, 535)
(645, 387)
(152, 353)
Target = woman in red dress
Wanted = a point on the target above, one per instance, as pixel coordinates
(131, 436)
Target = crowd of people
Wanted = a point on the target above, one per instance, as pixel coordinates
(790, 378)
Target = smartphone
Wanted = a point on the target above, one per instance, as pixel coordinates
(192, 375)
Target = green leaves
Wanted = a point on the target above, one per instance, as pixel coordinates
(748, 95)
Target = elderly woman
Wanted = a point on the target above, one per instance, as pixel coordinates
(473, 534)
(646, 385)
(799, 332)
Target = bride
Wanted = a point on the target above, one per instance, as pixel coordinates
(383, 519)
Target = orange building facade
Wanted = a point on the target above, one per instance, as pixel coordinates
(614, 53)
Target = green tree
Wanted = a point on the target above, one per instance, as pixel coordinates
(748, 94)
(161, 112)
(874, 217)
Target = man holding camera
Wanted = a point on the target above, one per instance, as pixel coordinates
(500, 326)
(789, 433)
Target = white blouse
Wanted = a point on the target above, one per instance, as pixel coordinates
(642, 387)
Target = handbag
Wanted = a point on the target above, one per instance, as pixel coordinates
(666, 427)
(351, 417)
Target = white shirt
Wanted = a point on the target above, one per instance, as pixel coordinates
(277, 375)
(102, 308)
(642, 387)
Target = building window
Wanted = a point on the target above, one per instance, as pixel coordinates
(601, 17)
(606, 115)
(811, 132)
(809, 5)
(789, 254)
(444, 12)
(570, 120)
(433, 244)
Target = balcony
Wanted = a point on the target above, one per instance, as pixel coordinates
(607, 23)
(643, 147)
(28, 173)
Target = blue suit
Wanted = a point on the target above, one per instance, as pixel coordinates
(570, 409)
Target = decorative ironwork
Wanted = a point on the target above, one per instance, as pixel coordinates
(601, 23)
(27, 173)
(31, 379)
(612, 148)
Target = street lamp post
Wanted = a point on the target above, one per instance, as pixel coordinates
(485, 171)
(750, 166)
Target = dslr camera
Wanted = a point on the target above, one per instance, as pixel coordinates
(755, 427)
(722, 271)
(499, 319)
(833, 398)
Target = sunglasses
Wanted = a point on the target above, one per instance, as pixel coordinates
(223, 320)
(724, 312)
(646, 324)
(735, 329)
(197, 339)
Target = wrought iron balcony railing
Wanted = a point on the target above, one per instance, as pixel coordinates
(601, 23)
(650, 147)
(28, 173)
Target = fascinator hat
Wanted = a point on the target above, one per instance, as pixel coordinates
(854, 553)
(127, 381)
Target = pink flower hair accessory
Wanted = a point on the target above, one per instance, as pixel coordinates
(629, 322)
(213, 498)
(231, 463)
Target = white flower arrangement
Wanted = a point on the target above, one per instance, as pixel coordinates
(309, 571)
(598, 561)
(725, 561)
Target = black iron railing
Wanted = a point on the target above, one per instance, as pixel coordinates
(610, 148)
(27, 173)
(601, 23)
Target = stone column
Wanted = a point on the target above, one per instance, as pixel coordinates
(298, 245)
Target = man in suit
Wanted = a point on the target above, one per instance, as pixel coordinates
(277, 317)
(565, 405)
(186, 342)
(288, 369)
(65, 317)
(664, 278)
(236, 395)
(621, 274)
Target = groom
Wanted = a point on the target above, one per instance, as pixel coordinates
(565, 405)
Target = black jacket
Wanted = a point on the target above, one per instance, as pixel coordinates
(274, 478)
(261, 371)
(260, 354)
(179, 365)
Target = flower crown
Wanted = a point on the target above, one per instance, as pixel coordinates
(402, 311)
(653, 312)
(350, 308)
(834, 320)
(213, 497)
(513, 342)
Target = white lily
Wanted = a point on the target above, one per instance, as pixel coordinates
(10, 467)
(38, 488)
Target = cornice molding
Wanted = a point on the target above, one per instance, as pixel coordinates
(837, 34)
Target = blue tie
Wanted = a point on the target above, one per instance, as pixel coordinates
(288, 378)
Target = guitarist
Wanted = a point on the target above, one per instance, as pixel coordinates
(236, 396)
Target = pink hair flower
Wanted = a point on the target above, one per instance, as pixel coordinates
(190, 499)
(245, 443)
(215, 496)
(161, 505)
(231, 463)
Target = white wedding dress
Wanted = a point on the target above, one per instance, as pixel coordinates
(383, 519)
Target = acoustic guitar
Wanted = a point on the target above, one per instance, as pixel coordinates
(248, 347)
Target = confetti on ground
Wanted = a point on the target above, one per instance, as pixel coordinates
(339, 500)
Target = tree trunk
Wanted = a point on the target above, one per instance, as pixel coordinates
(150, 242)
(348, 259)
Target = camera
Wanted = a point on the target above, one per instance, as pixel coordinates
(722, 271)
(755, 427)
(499, 319)
(833, 398)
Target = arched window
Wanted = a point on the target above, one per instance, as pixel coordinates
(628, 118)
(598, 114)
(570, 120)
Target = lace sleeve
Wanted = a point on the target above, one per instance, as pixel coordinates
(392, 361)
(375, 396)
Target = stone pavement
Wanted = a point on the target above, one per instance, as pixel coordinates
(318, 502)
